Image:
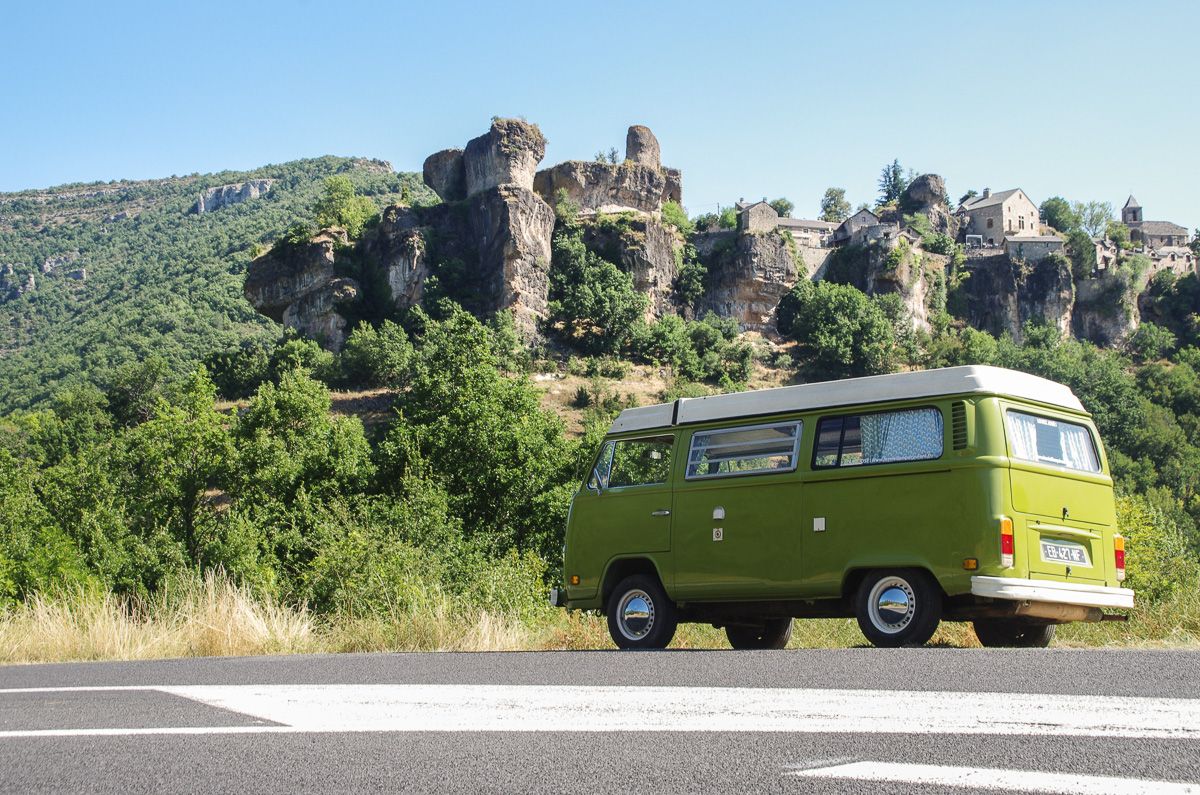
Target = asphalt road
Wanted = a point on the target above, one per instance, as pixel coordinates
(858, 720)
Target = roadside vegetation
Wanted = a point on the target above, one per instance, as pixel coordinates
(220, 503)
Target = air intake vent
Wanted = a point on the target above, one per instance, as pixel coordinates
(958, 424)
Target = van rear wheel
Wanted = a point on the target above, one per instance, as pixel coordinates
(773, 634)
(1013, 633)
(900, 607)
(640, 614)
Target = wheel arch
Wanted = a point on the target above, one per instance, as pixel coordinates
(620, 568)
(854, 576)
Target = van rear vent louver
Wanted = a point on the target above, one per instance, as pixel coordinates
(958, 424)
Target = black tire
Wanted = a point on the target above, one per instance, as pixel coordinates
(898, 607)
(640, 614)
(773, 634)
(1013, 633)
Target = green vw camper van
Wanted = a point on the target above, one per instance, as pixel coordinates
(963, 494)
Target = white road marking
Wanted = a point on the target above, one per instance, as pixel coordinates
(995, 779)
(527, 708)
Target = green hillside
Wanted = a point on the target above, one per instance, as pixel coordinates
(159, 278)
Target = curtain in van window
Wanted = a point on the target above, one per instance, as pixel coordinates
(1054, 442)
(901, 436)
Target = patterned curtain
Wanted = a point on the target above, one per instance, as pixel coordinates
(901, 436)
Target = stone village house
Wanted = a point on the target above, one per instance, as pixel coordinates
(996, 216)
(1151, 234)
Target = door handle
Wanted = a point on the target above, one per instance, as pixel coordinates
(661, 512)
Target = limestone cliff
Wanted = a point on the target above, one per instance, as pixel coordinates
(926, 195)
(645, 249)
(1106, 307)
(1000, 296)
(225, 195)
(747, 275)
(639, 183)
(296, 284)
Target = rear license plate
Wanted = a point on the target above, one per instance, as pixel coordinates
(1066, 552)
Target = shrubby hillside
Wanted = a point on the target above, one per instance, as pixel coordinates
(124, 270)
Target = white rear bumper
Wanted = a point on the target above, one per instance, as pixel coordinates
(1064, 593)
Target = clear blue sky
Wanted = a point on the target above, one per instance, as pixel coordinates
(1090, 100)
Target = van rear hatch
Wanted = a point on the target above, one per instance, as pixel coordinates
(1065, 500)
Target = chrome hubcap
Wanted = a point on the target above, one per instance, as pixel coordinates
(635, 614)
(891, 605)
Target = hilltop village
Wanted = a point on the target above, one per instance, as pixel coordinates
(991, 259)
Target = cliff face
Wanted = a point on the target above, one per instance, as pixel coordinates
(645, 249)
(297, 285)
(1106, 307)
(639, 183)
(225, 195)
(747, 275)
(1000, 296)
(488, 243)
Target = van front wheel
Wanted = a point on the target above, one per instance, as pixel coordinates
(1013, 633)
(640, 615)
(901, 607)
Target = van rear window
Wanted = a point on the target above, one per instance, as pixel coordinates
(1054, 442)
(744, 451)
(881, 438)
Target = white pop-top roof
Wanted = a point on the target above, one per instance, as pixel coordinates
(973, 379)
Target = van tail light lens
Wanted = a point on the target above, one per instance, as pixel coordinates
(1119, 556)
(1006, 542)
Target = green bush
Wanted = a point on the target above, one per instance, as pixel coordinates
(674, 215)
(841, 331)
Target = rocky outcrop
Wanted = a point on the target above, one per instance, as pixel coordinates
(400, 249)
(640, 183)
(507, 154)
(643, 248)
(641, 147)
(914, 275)
(445, 173)
(1001, 296)
(1106, 307)
(296, 284)
(605, 188)
(747, 275)
(926, 195)
(225, 195)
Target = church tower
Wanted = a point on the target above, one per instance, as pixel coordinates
(1131, 213)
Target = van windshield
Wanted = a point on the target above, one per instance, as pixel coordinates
(1054, 442)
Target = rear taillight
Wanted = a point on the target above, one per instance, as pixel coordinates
(1119, 556)
(1006, 542)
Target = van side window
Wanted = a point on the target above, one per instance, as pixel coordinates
(640, 462)
(881, 438)
(1053, 442)
(742, 451)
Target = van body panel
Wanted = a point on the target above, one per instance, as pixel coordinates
(615, 523)
(752, 551)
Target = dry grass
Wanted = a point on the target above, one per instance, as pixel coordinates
(215, 617)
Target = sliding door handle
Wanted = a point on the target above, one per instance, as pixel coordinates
(661, 512)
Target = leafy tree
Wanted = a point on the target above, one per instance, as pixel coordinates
(174, 458)
(502, 459)
(1151, 342)
(376, 356)
(728, 218)
(842, 331)
(1093, 216)
(834, 207)
(892, 182)
(1058, 213)
(689, 282)
(1195, 244)
(674, 215)
(971, 194)
(782, 206)
(341, 206)
(1118, 233)
(593, 303)
(1082, 253)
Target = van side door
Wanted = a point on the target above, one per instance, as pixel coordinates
(625, 508)
(737, 513)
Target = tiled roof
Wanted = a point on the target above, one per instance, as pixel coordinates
(978, 202)
(1131, 202)
(805, 223)
(1160, 228)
